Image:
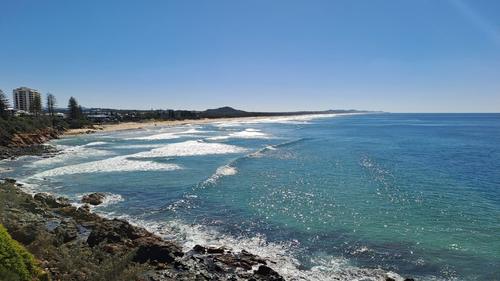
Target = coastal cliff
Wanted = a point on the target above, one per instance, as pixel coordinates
(25, 136)
(75, 244)
(37, 137)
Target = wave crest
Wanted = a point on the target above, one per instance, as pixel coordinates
(191, 148)
(114, 164)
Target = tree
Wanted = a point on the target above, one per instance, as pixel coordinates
(36, 105)
(4, 105)
(75, 114)
(73, 109)
(51, 104)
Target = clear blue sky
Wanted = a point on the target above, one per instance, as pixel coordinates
(392, 55)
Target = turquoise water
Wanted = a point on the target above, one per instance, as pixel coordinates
(338, 196)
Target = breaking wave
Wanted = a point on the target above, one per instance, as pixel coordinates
(162, 136)
(95, 143)
(230, 169)
(246, 134)
(74, 152)
(191, 148)
(293, 119)
(170, 135)
(114, 164)
(282, 255)
(222, 171)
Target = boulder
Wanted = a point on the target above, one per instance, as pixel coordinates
(154, 249)
(47, 199)
(95, 198)
(67, 231)
(115, 231)
(268, 273)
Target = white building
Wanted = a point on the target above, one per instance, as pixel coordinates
(24, 97)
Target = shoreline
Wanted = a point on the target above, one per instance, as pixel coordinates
(61, 235)
(215, 251)
(58, 232)
(125, 126)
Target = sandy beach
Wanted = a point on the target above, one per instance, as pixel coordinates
(163, 123)
(141, 125)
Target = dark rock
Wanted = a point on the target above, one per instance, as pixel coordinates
(213, 250)
(233, 261)
(47, 199)
(100, 235)
(94, 198)
(9, 180)
(199, 249)
(85, 208)
(154, 249)
(269, 273)
(83, 214)
(67, 210)
(409, 279)
(66, 232)
(248, 256)
(63, 201)
(390, 279)
(113, 231)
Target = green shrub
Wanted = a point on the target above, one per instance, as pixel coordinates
(16, 263)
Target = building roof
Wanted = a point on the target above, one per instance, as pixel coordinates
(25, 89)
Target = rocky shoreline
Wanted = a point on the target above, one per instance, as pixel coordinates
(75, 244)
(29, 144)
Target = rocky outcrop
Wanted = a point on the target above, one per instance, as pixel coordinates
(76, 244)
(94, 198)
(37, 137)
(28, 144)
(10, 152)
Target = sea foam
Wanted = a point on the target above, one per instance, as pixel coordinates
(73, 152)
(125, 164)
(114, 164)
(191, 148)
(222, 171)
(281, 254)
(170, 135)
(293, 119)
(246, 134)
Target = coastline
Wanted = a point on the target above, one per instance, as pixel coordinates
(73, 243)
(209, 254)
(124, 126)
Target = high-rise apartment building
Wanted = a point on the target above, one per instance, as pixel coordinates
(24, 97)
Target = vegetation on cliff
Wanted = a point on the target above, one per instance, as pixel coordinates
(16, 263)
(12, 126)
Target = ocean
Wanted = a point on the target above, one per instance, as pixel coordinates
(327, 196)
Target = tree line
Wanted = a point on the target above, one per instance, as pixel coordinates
(74, 114)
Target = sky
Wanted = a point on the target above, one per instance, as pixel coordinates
(260, 55)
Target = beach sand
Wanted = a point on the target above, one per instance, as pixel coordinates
(164, 123)
(150, 123)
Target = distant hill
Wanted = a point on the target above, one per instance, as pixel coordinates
(227, 112)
